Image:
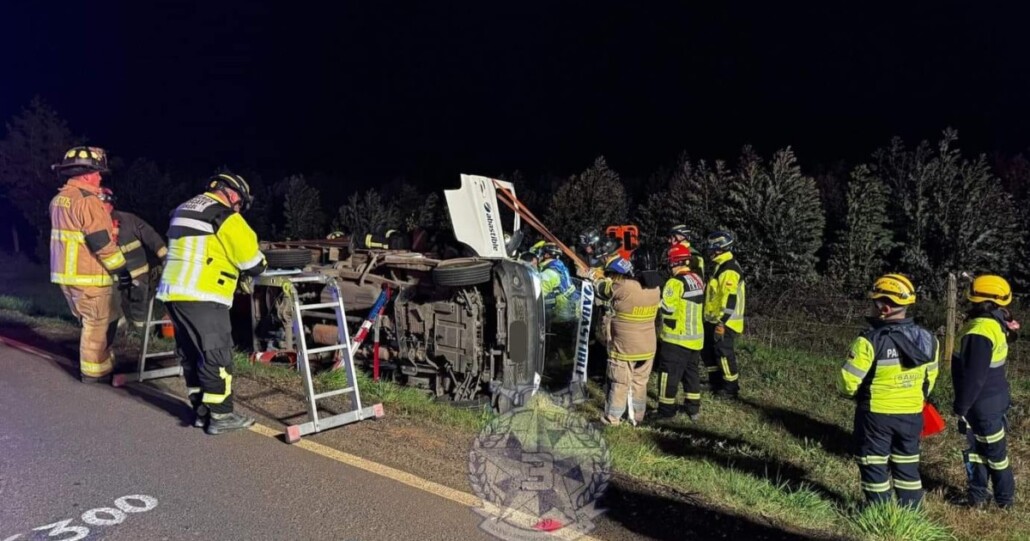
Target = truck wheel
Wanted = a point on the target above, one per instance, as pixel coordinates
(458, 273)
(287, 258)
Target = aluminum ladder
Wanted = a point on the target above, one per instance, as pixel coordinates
(142, 373)
(343, 348)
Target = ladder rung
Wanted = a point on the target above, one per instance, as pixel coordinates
(157, 322)
(159, 354)
(334, 392)
(337, 347)
(319, 306)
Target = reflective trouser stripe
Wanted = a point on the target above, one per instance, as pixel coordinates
(693, 396)
(631, 356)
(726, 375)
(973, 457)
(212, 398)
(871, 460)
(663, 386)
(1001, 465)
(905, 459)
(993, 438)
(81, 279)
(997, 364)
(96, 370)
(713, 369)
(877, 487)
(908, 485)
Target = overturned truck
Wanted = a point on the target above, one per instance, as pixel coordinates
(470, 328)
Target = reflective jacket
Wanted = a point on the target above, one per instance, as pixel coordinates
(892, 367)
(632, 314)
(135, 237)
(682, 301)
(725, 296)
(209, 245)
(557, 288)
(82, 246)
(979, 370)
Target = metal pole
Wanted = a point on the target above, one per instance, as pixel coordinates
(949, 326)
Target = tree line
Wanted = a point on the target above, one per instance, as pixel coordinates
(923, 209)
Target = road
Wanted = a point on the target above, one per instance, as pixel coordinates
(122, 464)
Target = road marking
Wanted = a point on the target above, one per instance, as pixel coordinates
(414, 481)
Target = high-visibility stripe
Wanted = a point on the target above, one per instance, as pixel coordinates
(216, 398)
(691, 293)
(190, 391)
(712, 369)
(113, 261)
(66, 235)
(200, 245)
(669, 336)
(96, 370)
(81, 280)
(888, 362)
(128, 247)
(167, 292)
(191, 223)
(932, 366)
(631, 357)
(162, 252)
(1000, 465)
(621, 316)
(904, 459)
(693, 396)
(974, 457)
(996, 364)
(726, 375)
(908, 485)
(993, 438)
(871, 460)
(855, 371)
(252, 262)
(663, 381)
(877, 487)
(136, 273)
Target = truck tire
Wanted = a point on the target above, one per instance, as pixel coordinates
(287, 258)
(462, 272)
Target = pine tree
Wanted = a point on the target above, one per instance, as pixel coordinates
(864, 242)
(303, 209)
(147, 191)
(593, 199)
(366, 212)
(777, 216)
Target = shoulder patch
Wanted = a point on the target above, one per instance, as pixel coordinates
(199, 203)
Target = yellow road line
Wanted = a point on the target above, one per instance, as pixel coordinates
(463, 498)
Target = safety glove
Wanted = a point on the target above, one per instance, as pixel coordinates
(720, 332)
(246, 285)
(124, 278)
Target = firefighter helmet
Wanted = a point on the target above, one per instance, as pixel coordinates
(990, 288)
(679, 253)
(607, 247)
(680, 230)
(81, 160)
(589, 237)
(618, 265)
(719, 241)
(895, 288)
(234, 183)
(549, 249)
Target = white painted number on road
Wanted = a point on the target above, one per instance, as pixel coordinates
(101, 516)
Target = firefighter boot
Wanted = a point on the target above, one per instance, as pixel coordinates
(201, 415)
(221, 423)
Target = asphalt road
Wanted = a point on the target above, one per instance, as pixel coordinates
(91, 462)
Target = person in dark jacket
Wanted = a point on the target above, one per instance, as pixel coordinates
(141, 245)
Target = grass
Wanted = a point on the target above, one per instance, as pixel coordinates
(781, 453)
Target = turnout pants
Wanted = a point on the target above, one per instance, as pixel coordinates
(98, 312)
(678, 364)
(627, 385)
(887, 448)
(135, 301)
(721, 360)
(203, 340)
(987, 459)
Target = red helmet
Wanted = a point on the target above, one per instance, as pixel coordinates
(678, 253)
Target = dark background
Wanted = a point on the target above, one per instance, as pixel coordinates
(370, 91)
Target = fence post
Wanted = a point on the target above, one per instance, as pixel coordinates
(949, 326)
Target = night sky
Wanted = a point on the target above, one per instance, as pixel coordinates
(371, 91)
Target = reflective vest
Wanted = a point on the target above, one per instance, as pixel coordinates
(135, 236)
(681, 308)
(727, 281)
(558, 290)
(209, 245)
(82, 247)
(892, 368)
(979, 372)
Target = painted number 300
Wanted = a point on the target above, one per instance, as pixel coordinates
(101, 516)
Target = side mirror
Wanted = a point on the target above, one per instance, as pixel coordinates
(514, 242)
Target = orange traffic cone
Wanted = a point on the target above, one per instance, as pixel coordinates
(932, 421)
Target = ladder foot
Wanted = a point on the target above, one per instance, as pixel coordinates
(292, 434)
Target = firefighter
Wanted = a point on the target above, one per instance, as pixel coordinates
(629, 333)
(559, 292)
(724, 315)
(84, 256)
(682, 335)
(210, 247)
(982, 392)
(679, 234)
(890, 372)
(135, 239)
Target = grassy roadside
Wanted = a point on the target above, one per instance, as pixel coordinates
(780, 454)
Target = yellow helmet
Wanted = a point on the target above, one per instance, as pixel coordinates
(992, 288)
(895, 288)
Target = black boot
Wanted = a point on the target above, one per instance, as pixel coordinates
(221, 423)
(102, 379)
(201, 414)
